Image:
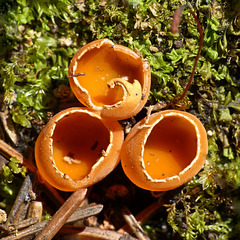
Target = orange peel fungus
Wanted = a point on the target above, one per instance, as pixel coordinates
(165, 151)
(110, 78)
(77, 148)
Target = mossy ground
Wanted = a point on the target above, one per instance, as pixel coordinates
(38, 39)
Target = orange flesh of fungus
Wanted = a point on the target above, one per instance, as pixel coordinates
(169, 148)
(78, 144)
(100, 65)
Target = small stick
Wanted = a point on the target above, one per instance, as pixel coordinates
(22, 212)
(176, 20)
(27, 232)
(8, 152)
(22, 224)
(145, 124)
(147, 212)
(85, 212)
(78, 74)
(35, 210)
(3, 162)
(74, 232)
(134, 225)
(144, 214)
(61, 216)
(79, 214)
(175, 24)
(23, 192)
(198, 53)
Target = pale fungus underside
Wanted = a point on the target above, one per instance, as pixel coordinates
(38, 40)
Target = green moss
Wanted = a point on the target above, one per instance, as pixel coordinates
(38, 39)
(11, 179)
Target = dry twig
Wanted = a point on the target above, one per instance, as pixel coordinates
(92, 233)
(134, 225)
(79, 214)
(62, 215)
(144, 215)
(22, 197)
(9, 152)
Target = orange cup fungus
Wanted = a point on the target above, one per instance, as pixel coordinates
(165, 151)
(78, 148)
(110, 78)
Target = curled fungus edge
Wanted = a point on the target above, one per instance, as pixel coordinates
(166, 151)
(110, 78)
(78, 148)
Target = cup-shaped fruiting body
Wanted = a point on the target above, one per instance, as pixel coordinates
(78, 148)
(164, 151)
(110, 78)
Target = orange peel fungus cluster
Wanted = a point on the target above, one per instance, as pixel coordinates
(80, 146)
(165, 152)
(110, 78)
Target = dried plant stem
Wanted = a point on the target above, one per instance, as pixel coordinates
(134, 225)
(147, 212)
(144, 214)
(79, 214)
(8, 152)
(21, 213)
(61, 216)
(175, 24)
(19, 200)
(75, 233)
(35, 210)
(85, 211)
(22, 224)
(198, 53)
(176, 19)
(27, 232)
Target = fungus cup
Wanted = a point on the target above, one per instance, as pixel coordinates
(110, 78)
(165, 151)
(77, 148)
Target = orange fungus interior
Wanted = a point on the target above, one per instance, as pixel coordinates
(170, 147)
(78, 142)
(100, 65)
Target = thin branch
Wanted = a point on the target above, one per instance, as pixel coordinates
(73, 233)
(175, 24)
(62, 215)
(85, 212)
(22, 224)
(22, 195)
(79, 214)
(134, 225)
(8, 152)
